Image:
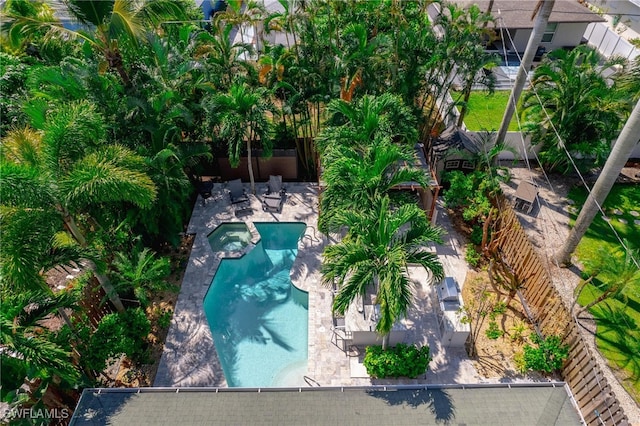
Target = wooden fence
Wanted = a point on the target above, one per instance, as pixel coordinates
(94, 302)
(593, 395)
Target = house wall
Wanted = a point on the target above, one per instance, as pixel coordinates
(567, 34)
(520, 38)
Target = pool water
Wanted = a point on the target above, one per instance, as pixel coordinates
(258, 319)
(229, 237)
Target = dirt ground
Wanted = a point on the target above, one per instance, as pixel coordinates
(497, 358)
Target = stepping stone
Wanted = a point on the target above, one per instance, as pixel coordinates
(637, 222)
(634, 213)
(617, 212)
(606, 218)
(621, 220)
(570, 202)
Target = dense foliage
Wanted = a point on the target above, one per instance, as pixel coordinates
(547, 355)
(117, 334)
(399, 361)
(106, 127)
(573, 109)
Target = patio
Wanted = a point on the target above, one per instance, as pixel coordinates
(189, 358)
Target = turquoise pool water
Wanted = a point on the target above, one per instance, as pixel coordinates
(258, 319)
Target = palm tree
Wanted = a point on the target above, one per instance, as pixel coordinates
(225, 60)
(242, 13)
(620, 273)
(142, 273)
(241, 117)
(66, 168)
(114, 23)
(379, 246)
(457, 52)
(23, 336)
(579, 105)
(370, 117)
(355, 181)
(362, 60)
(165, 112)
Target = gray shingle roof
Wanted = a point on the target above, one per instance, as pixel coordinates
(517, 14)
(539, 404)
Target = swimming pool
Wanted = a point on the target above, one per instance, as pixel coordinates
(258, 319)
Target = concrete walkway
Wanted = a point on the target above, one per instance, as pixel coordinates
(189, 358)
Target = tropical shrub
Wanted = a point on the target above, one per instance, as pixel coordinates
(399, 361)
(571, 97)
(548, 356)
(143, 274)
(116, 334)
(471, 193)
(493, 332)
(472, 256)
(476, 235)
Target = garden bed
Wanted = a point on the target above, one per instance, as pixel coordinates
(159, 312)
(498, 358)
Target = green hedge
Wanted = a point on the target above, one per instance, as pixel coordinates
(399, 361)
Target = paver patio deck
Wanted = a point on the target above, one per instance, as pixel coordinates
(189, 358)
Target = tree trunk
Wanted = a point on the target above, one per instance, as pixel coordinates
(532, 46)
(628, 139)
(385, 341)
(602, 297)
(579, 292)
(102, 279)
(465, 101)
(250, 166)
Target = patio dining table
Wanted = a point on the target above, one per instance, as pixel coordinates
(525, 196)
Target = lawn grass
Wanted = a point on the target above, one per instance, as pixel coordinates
(617, 319)
(485, 111)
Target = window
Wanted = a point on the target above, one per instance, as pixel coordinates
(452, 164)
(467, 165)
(549, 32)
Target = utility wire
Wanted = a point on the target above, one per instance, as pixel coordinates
(553, 190)
(582, 179)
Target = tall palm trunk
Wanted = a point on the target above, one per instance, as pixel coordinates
(521, 77)
(250, 164)
(622, 149)
(465, 102)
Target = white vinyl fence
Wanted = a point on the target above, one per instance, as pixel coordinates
(609, 43)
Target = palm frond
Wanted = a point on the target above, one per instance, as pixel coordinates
(108, 175)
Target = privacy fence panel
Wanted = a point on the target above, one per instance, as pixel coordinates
(593, 395)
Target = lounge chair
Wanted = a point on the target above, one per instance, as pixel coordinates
(204, 189)
(244, 211)
(237, 192)
(272, 204)
(274, 187)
